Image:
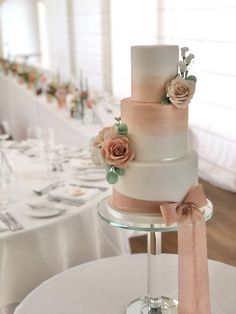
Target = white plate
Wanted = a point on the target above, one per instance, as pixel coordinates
(84, 163)
(92, 176)
(44, 212)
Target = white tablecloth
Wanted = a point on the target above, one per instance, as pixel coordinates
(107, 286)
(48, 246)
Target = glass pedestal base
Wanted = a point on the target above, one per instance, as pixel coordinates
(163, 305)
(154, 225)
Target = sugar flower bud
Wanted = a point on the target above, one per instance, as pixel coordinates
(189, 58)
(183, 51)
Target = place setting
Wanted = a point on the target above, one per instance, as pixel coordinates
(57, 198)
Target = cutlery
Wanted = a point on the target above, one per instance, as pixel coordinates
(47, 188)
(101, 188)
(93, 171)
(13, 220)
(40, 206)
(7, 222)
(66, 201)
(44, 207)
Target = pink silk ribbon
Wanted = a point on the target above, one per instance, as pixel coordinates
(193, 286)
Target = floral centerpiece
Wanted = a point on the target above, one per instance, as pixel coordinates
(51, 91)
(13, 67)
(5, 66)
(31, 78)
(75, 104)
(111, 150)
(180, 90)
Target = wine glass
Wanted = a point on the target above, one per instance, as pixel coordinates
(48, 139)
(4, 131)
(34, 134)
(7, 178)
(34, 139)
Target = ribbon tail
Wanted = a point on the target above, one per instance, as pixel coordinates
(193, 287)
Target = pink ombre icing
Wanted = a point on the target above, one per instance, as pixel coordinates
(133, 205)
(153, 118)
(151, 89)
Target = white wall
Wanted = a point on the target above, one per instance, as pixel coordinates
(19, 27)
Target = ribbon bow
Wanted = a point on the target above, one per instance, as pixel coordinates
(193, 284)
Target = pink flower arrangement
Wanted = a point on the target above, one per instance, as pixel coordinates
(112, 150)
(181, 89)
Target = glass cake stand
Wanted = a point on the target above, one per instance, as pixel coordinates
(154, 225)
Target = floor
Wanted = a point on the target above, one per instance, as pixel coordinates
(221, 229)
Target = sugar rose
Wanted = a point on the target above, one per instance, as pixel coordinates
(180, 91)
(104, 134)
(117, 152)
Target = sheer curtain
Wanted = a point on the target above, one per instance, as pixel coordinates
(207, 28)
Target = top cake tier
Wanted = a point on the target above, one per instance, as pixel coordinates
(151, 68)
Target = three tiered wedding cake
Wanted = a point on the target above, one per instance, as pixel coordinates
(153, 169)
(146, 153)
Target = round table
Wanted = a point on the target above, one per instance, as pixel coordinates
(48, 246)
(108, 285)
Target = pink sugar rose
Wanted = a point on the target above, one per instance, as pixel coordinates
(116, 151)
(180, 91)
(105, 133)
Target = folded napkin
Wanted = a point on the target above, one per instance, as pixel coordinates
(73, 193)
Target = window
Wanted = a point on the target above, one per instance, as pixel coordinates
(43, 38)
(132, 23)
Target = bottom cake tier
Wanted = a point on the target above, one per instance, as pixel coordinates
(145, 185)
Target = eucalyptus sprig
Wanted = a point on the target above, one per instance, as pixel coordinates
(122, 128)
(113, 174)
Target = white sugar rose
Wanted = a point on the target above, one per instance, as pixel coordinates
(180, 91)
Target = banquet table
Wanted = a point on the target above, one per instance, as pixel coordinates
(106, 286)
(47, 246)
(21, 108)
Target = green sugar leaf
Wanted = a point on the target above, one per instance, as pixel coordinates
(119, 171)
(192, 78)
(122, 128)
(165, 100)
(112, 177)
(107, 167)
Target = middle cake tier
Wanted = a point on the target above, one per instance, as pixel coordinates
(157, 131)
(155, 182)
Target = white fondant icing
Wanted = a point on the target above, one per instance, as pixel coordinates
(160, 181)
(151, 68)
(159, 148)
